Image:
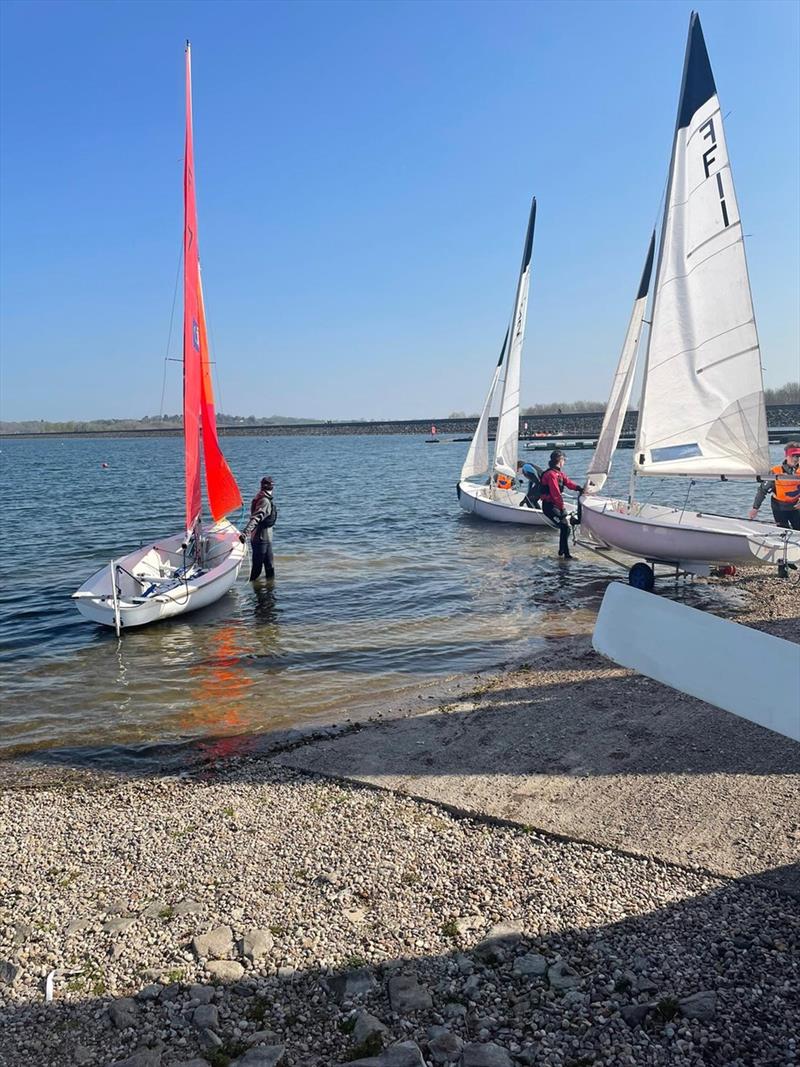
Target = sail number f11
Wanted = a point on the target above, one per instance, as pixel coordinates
(709, 134)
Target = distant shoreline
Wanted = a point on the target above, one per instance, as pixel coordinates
(780, 417)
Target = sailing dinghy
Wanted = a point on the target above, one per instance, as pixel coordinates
(702, 411)
(495, 497)
(197, 566)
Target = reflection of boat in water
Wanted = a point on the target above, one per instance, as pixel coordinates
(496, 499)
(220, 713)
(702, 411)
(192, 569)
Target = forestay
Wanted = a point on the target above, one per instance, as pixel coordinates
(507, 445)
(477, 461)
(614, 417)
(702, 410)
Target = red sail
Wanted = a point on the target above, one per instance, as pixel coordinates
(191, 320)
(223, 492)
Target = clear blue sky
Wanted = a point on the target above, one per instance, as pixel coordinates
(364, 172)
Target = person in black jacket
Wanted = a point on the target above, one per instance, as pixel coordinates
(263, 513)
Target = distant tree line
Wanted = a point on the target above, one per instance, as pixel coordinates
(784, 394)
(564, 407)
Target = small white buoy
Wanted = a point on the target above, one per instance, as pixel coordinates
(104, 465)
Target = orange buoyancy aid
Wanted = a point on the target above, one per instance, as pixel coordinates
(787, 486)
(504, 482)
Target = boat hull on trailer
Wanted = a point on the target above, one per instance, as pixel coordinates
(675, 536)
(150, 585)
(500, 505)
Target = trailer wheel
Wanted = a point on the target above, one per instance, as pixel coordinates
(642, 576)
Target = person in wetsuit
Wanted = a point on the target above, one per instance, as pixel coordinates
(533, 475)
(553, 481)
(263, 513)
(784, 490)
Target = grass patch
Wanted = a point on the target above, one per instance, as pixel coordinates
(354, 963)
(257, 1011)
(667, 1008)
(450, 929)
(371, 1046)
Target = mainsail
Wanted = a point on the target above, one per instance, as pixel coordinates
(477, 461)
(702, 409)
(507, 446)
(198, 392)
(600, 463)
(192, 317)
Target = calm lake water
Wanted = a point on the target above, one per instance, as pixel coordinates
(383, 586)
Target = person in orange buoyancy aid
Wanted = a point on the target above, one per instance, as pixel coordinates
(785, 489)
(503, 481)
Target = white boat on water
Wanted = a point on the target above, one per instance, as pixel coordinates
(197, 566)
(702, 412)
(495, 497)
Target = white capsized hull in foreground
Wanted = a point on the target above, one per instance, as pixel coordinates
(671, 535)
(744, 671)
(153, 586)
(500, 505)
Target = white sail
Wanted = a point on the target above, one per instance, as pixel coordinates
(702, 410)
(477, 461)
(507, 445)
(600, 463)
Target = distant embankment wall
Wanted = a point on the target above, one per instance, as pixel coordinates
(574, 424)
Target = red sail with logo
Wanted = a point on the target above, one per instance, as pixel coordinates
(223, 492)
(198, 392)
(191, 321)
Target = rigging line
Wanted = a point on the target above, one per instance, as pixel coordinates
(686, 501)
(169, 332)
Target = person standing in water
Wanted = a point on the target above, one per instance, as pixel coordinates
(263, 513)
(553, 481)
(784, 488)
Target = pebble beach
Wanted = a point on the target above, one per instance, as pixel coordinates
(255, 914)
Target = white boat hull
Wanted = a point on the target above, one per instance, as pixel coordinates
(149, 587)
(672, 535)
(500, 505)
(746, 672)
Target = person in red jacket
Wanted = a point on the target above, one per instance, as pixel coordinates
(553, 482)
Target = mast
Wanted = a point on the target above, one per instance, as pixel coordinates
(191, 323)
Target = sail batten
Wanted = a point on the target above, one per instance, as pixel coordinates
(703, 388)
(507, 444)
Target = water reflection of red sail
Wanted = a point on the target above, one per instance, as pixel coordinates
(220, 694)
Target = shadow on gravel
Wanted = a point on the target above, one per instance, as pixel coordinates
(709, 980)
(607, 725)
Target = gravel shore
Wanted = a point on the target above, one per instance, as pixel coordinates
(259, 915)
